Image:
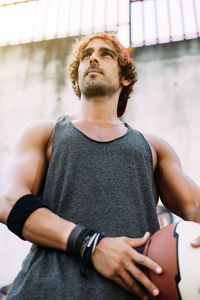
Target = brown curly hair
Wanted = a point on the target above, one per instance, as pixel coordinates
(127, 67)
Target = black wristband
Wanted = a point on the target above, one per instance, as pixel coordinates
(21, 211)
(72, 247)
(82, 242)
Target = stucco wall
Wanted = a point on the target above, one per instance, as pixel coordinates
(34, 85)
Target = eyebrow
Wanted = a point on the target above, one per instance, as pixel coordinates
(101, 49)
(109, 50)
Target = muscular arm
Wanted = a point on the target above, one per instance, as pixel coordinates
(178, 192)
(24, 175)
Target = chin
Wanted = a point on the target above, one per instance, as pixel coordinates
(95, 90)
(98, 88)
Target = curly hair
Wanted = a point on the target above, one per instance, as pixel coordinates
(127, 67)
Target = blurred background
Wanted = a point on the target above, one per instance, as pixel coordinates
(36, 39)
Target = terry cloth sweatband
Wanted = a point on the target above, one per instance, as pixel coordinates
(21, 211)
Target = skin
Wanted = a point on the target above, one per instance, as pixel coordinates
(100, 83)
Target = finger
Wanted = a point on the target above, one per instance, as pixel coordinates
(146, 262)
(140, 241)
(132, 284)
(143, 279)
(122, 284)
(196, 242)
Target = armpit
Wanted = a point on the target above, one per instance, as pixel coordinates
(153, 151)
(50, 143)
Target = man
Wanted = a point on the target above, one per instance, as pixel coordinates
(92, 169)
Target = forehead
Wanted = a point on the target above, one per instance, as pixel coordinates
(100, 43)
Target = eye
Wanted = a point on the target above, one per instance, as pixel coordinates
(107, 53)
(85, 55)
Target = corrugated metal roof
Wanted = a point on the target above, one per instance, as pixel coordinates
(136, 22)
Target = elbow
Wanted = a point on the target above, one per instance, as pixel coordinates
(193, 212)
(6, 204)
(4, 212)
(7, 201)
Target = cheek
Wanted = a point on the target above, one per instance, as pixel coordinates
(80, 74)
(81, 69)
(116, 71)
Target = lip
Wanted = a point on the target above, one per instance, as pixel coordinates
(94, 71)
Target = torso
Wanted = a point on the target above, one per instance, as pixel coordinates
(103, 134)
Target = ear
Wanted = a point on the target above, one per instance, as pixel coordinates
(125, 82)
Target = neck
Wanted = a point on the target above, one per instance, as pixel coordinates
(99, 109)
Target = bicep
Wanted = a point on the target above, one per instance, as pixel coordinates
(177, 191)
(25, 170)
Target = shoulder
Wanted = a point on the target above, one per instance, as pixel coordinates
(36, 133)
(162, 151)
(43, 126)
(159, 145)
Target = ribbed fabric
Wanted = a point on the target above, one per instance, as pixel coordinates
(107, 186)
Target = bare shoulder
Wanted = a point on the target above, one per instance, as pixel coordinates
(36, 133)
(41, 127)
(159, 145)
(161, 149)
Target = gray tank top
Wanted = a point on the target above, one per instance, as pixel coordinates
(107, 186)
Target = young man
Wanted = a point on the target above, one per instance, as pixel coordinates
(92, 169)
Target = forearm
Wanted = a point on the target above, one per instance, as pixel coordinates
(193, 208)
(42, 226)
(47, 229)
(193, 214)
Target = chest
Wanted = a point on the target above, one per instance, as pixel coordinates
(100, 133)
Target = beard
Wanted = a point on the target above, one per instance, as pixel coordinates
(97, 87)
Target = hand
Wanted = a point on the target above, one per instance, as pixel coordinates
(196, 242)
(116, 259)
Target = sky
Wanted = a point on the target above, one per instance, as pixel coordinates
(152, 20)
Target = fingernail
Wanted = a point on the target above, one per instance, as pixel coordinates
(158, 270)
(146, 234)
(155, 292)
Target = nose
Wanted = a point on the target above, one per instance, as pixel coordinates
(94, 58)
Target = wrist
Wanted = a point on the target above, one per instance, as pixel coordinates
(82, 242)
(67, 234)
(98, 249)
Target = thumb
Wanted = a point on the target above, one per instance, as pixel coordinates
(140, 241)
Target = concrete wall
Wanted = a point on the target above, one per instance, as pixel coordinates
(34, 85)
(167, 98)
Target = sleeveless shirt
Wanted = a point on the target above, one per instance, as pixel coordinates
(107, 186)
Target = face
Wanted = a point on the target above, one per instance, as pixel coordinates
(99, 72)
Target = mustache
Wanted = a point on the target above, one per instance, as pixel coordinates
(93, 69)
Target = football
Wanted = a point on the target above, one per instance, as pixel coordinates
(170, 248)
